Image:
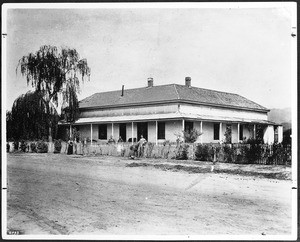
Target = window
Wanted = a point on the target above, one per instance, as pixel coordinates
(188, 126)
(241, 132)
(216, 131)
(102, 131)
(161, 130)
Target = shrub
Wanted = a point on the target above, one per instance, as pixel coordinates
(149, 149)
(57, 146)
(255, 152)
(206, 152)
(228, 153)
(16, 145)
(23, 146)
(191, 136)
(279, 156)
(228, 134)
(182, 152)
(202, 152)
(33, 147)
(42, 147)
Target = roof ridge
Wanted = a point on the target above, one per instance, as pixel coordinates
(135, 88)
(208, 89)
(170, 92)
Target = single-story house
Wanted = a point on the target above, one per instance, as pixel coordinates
(161, 113)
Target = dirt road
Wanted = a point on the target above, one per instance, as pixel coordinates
(60, 194)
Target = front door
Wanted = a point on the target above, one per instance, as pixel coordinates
(142, 129)
(122, 132)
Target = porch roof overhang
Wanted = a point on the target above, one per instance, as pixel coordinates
(164, 116)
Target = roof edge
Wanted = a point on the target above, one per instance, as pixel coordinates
(176, 101)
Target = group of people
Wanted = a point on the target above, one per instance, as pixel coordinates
(78, 148)
(138, 149)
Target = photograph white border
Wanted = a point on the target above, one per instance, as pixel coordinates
(293, 8)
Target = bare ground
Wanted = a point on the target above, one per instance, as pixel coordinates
(60, 194)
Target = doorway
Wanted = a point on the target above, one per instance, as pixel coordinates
(142, 129)
(122, 131)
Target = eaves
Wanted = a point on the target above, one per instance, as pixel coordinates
(178, 101)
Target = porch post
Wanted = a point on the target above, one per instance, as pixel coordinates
(132, 133)
(220, 131)
(70, 131)
(91, 134)
(183, 124)
(156, 130)
(201, 126)
(238, 133)
(280, 134)
(112, 130)
(254, 131)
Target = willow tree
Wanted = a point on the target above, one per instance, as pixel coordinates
(29, 119)
(56, 75)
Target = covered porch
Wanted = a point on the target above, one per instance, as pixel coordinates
(158, 128)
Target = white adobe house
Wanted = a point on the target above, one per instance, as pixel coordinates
(160, 112)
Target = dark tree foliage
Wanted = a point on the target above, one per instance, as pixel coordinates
(70, 113)
(29, 118)
(9, 126)
(228, 134)
(55, 75)
(260, 133)
(287, 137)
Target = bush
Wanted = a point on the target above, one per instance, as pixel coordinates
(250, 152)
(191, 136)
(182, 152)
(206, 152)
(228, 153)
(23, 146)
(42, 147)
(57, 146)
(202, 152)
(16, 145)
(33, 147)
(149, 148)
(255, 153)
(279, 156)
(227, 134)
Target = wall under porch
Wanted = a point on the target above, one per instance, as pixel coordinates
(172, 128)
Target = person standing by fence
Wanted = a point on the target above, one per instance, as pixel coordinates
(70, 147)
(141, 144)
(85, 151)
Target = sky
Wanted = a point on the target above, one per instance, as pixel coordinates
(239, 50)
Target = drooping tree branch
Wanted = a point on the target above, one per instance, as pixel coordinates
(54, 73)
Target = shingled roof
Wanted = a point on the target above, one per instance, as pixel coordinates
(168, 93)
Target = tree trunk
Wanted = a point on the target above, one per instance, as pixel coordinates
(50, 132)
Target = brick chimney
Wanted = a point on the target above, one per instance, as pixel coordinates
(122, 93)
(150, 82)
(188, 81)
